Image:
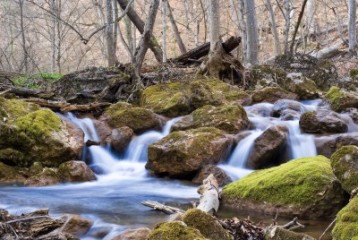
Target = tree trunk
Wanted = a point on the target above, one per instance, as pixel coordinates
(164, 30)
(23, 37)
(111, 54)
(251, 27)
(274, 28)
(137, 21)
(297, 26)
(352, 30)
(288, 9)
(214, 23)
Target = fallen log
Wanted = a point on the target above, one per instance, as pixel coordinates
(209, 195)
(192, 56)
(163, 208)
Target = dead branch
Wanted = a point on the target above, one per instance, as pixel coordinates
(162, 208)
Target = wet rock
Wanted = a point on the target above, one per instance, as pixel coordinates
(345, 166)
(302, 86)
(329, 144)
(9, 174)
(183, 153)
(208, 225)
(218, 173)
(134, 234)
(304, 187)
(288, 115)
(321, 71)
(322, 121)
(353, 113)
(139, 119)
(346, 226)
(48, 176)
(266, 76)
(75, 171)
(175, 230)
(104, 131)
(272, 94)
(229, 118)
(120, 139)
(286, 106)
(76, 225)
(341, 100)
(178, 98)
(260, 109)
(268, 147)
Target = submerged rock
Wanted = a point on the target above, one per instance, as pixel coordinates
(272, 94)
(183, 153)
(175, 230)
(229, 118)
(75, 171)
(208, 225)
(178, 98)
(346, 226)
(139, 119)
(323, 121)
(304, 187)
(76, 225)
(341, 100)
(268, 147)
(345, 166)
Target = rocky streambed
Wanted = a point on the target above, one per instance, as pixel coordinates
(269, 137)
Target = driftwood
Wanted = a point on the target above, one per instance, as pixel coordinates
(162, 208)
(209, 195)
(67, 107)
(243, 229)
(192, 56)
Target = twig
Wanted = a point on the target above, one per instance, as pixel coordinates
(6, 91)
(326, 230)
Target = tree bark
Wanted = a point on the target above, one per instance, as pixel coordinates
(23, 37)
(111, 54)
(164, 30)
(137, 21)
(251, 28)
(297, 26)
(352, 30)
(274, 28)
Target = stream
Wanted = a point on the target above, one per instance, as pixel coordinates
(113, 201)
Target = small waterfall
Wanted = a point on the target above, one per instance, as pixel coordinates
(86, 125)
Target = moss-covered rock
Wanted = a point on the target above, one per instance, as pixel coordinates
(272, 94)
(183, 153)
(139, 119)
(48, 176)
(229, 118)
(178, 98)
(341, 100)
(12, 109)
(266, 76)
(347, 222)
(75, 171)
(345, 166)
(175, 231)
(208, 226)
(322, 121)
(302, 86)
(304, 187)
(9, 174)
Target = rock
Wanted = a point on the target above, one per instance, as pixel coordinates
(302, 86)
(345, 166)
(321, 71)
(218, 173)
(178, 98)
(346, 226)
(279, 233)
(9, 174)
(341, 100)
(76, 225)
(329, 144)
(48, 176)
(353, 113)
(208, 225)
(272, 94)
(120, 139)
(322, 121)
(266, 76)
(229, 118)
(104, 131)
(175, 230)
(182, 154)
(306, 188)
(260, 109)
(75, 171)
(268, 147)
(289, 114)
(134, 234)
(282, 106)
(139, 119)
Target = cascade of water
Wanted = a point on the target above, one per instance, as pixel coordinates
(86, 125)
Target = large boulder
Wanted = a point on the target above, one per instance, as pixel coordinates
(322, 121)
(219, 174)
(175, 230)
(341, 100)
(345, 166)
(75, 171)
(268, 147)
(139, 119)
(178, 98)
(272, 94)
(321, 71)
(208, 225)
(76, 225)
(304, 187)
(48, 176)
(183, 153)
(229, 118)
(288, 109)
(10, 175)
(120, 139)
(302, 86)
(266, 76)
(346, 226)
(327, 145)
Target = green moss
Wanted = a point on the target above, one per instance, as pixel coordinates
(265, 75)
(39, 124)
(343, 162)
(353, 73)
(347, 222)
(297, 182)
(12, 156)
(206, 224)
(11, 109)
(272, 94)
(36, 80)
(333, 94)
(175, 231)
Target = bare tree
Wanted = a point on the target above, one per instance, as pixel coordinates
(110, 43)
(23, 37)
(352, 29)
(274, 28)
(251, 28)
(175, 29)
